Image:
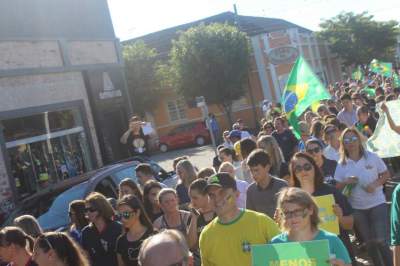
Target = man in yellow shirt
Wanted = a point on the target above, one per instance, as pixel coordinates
(228, 238)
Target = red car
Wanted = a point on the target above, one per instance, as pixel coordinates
(185, 135)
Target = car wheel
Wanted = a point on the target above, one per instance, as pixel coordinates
(200, 141)
(163, 147)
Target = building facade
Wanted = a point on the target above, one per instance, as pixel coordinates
(275, 45)
(62, 86)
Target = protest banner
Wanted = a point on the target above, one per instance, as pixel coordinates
(385, 142)
(329, 220)
(307, 253)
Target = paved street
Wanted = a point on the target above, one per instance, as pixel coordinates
(202, 156)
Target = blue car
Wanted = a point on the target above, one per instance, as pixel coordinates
(51, 205)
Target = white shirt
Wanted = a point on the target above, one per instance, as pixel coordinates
(242, 188)
(349, 118)
(331, 154)
(367, 169)
(245, 135)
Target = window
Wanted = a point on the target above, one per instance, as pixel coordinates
(45, 148)
(176, 110)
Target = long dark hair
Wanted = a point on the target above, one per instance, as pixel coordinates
(146, 191)
(135, 204)
(78, 206)
(14, 235)
(132, 184)
(65, 248)
(318, 177)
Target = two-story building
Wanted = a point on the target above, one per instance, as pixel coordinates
(275, 43)
(62, 108)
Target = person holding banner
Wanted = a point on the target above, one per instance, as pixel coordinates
(299, 222)
(364, 174)
(308, 176)
(393, 126)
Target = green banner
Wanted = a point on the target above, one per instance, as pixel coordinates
(385, 142)
(310, 253)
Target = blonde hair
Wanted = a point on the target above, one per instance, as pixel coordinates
(191, 174)
(342, 150)
(164, 192)
(227, 167)
(270, 145)
(299, 197)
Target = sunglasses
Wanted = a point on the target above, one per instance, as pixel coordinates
(125, 215)
(349, 140)
(91, 209)
(306, 167)
(314, 150)
(295, 213)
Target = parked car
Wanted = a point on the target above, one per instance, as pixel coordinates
(51, 205)
(195, 133)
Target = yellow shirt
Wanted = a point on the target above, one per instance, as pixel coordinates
(229, 244)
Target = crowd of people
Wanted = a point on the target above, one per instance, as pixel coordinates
(259, 189)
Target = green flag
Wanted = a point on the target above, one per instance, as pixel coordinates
(382, 68)
(303, 88)
(396, 80)
(357, 74)
(369, 91)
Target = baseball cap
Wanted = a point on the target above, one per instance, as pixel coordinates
(222, 180)
(235, 134)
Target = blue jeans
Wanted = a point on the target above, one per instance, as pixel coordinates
(373, 226)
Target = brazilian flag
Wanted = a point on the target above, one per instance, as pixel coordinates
(382, 68)
(303, 89)
(357, 74)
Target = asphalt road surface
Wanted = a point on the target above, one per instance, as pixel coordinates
(200, 157)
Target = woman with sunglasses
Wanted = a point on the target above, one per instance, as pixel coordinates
(308, 176)
(328, 167)
(202, 214)
(150, 202)
(100, 236)
(298, 219)
(364, 173)
(13, 247)
(58, 249)
(78, 220)
(138, 227)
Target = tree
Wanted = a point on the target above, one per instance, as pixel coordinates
(141, 75)
(211, 61)
(357, 38)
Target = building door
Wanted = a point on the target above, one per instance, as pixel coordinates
(113, 125)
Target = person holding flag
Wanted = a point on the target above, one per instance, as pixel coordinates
(302, 90)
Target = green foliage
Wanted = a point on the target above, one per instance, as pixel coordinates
(210, 61)
(141, 74)
(357, 38)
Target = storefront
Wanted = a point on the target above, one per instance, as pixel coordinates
(45, 145)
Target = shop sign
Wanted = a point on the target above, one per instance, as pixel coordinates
(109, 90)
(283, 55)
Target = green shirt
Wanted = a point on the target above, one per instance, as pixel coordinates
(395, 217)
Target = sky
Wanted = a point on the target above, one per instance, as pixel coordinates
(134, 18)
